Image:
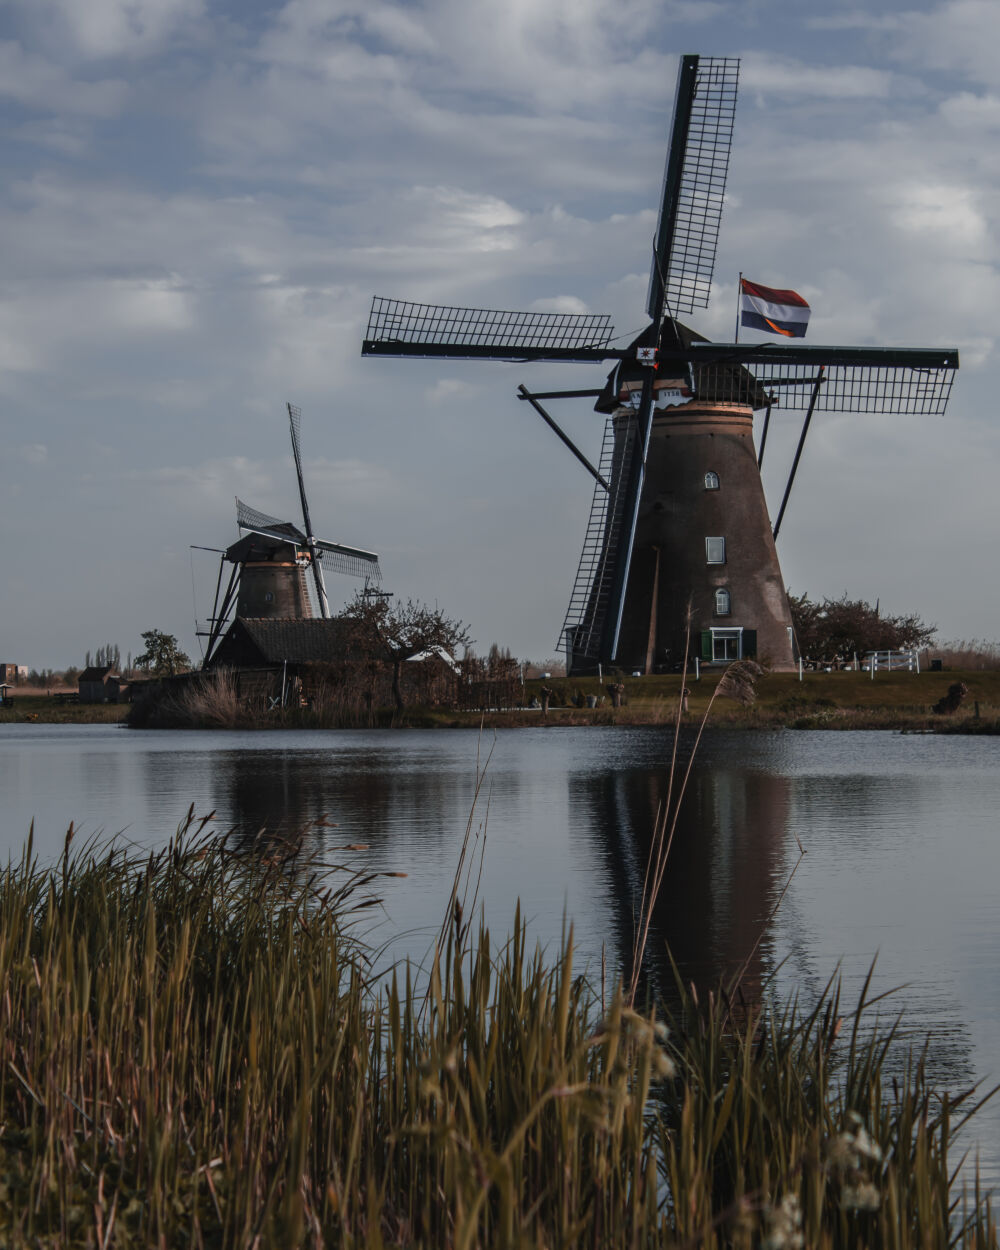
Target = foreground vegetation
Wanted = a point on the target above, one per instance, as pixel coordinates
(196, 1052)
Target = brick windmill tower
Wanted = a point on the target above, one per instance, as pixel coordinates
(679, 536)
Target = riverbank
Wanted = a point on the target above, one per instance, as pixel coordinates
(819, 700)
(197, 1052)
(53, 709)
(836, 701)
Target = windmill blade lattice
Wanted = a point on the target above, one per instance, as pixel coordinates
(694, 185)
(401, 328)
(294, 420)
(248, 518)
(353, 561)
(904, 381)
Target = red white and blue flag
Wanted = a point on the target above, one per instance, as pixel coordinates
(773, 311)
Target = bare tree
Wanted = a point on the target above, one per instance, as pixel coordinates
(398, 631)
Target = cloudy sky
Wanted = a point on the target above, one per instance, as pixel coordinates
(201, 197)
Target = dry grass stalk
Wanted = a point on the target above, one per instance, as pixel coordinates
(972, 653)
(738, 682)
(193, 1052)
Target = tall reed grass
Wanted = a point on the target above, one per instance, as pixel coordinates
(966, 654)
(195, 1051)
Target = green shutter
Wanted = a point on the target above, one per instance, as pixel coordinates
(749, 644)
(706, 644)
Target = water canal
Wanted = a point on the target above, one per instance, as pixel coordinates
(901, 832)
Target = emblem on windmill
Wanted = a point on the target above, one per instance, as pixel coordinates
(271, 561)
(679, 536)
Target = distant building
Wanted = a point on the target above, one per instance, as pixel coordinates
(311, 657)
(99, 684)
(12, 673)
(252, 642)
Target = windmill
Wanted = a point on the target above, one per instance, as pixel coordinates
(272, 557)
(679, 537)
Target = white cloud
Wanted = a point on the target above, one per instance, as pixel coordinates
(944, 210)
(220, 476)
(967, 112)
(463, 219)
(770, 74)
(35, 81)
(34, 453)
(957, 35)
(450, 391)
(52, 322)
(559, 304)
(100, 29)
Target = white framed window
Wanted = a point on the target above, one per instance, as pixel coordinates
(722, 602)
(726, 645)
(715, 550)
(711, 480)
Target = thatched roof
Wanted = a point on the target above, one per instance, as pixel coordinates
(299, 640)
(98, 672)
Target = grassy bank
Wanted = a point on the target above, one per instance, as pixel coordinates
(819, 701)
(195, 1052)
(47, 709)
(842, 700)
(838, 700)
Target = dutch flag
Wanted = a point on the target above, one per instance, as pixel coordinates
(775, 312)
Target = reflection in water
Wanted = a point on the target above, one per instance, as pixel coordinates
(901, 834)
(726, 854)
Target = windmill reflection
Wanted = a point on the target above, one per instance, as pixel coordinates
(727, 865)
(338, 797)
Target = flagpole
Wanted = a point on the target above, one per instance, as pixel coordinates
(739, 292)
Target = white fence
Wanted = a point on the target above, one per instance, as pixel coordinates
(891, 661)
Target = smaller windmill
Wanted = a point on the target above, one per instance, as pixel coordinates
(271, 560)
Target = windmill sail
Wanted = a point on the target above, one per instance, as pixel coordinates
(248, 518)
(353, 561)
(900, 380)
(694, 185)
(294, 419)
(687, 234)
(400, 328)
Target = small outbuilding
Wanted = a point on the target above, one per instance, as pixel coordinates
(99, 684)
(321, 660)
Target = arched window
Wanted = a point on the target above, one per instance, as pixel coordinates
(722, 602)
(711, 480)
